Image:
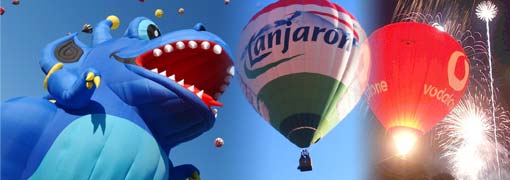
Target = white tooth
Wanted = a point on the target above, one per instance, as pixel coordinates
(223, 87)
(181, 82)
(217, 96)
(163, 73)
(168, 48)
(205, 45)
(157, 52)
(172, 77)
(199, 94)
(215, 111)
(191, 88)
(180, 45)
(217, 49)
(192, 44)
(155, 70)
(228, 79)
(231, 70)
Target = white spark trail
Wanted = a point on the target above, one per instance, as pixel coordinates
(486, 11)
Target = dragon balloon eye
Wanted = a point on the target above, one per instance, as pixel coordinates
(153, 31)
(148, 30)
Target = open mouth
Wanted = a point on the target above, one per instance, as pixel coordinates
(202, 67)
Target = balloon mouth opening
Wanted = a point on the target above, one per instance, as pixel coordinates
(200, 66)
(302, 136)
(301, 128)
(404, 139)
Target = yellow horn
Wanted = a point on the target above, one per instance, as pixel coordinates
(55, 67)
(115, 21)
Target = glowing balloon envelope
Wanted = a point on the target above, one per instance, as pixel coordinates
(419, 73)
(300, 67)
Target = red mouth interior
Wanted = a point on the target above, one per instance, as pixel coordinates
(202, 67)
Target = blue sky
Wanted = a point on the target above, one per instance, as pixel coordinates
(253, 149)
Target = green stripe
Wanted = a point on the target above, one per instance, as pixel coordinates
(252, 74)
(303, 93)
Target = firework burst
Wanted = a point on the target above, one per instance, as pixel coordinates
(433, 11)
(466, 136)
(486, 11)
(467, 140)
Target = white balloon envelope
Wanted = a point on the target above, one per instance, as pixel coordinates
(301, 66)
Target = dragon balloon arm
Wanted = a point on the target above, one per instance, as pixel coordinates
(71, 91)
(101, 33)
(185, 171)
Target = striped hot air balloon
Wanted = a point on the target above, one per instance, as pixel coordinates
(301, 66)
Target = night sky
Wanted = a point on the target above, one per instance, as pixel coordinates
(426, 159)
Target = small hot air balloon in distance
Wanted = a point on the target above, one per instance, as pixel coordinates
(180, 11)
(158, 13)
(15, 2)
(226, 1)
(2, 11)
(301, 67)
(141, 0)
(87, 28)
(419, 73)
(218, 142)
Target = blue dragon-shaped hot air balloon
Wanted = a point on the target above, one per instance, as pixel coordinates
(115, 109)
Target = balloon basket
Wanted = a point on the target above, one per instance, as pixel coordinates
(305, 162)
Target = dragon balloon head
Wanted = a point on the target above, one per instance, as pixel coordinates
(172, 79)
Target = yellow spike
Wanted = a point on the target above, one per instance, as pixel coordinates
(53, 69)
(89, 85)
(97, 81)
(90, 76)
(194, 176)
(115, 21)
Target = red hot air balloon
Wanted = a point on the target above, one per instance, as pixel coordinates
(218, 142)
(419, 74)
